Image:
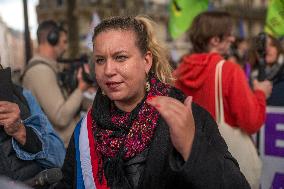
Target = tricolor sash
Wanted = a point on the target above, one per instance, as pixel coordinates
(86, 156)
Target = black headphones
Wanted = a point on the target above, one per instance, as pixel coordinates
(53, 36)
(53, 29)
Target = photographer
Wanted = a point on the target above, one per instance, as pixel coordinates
(267, 50)
(28, 143)
(41, 77)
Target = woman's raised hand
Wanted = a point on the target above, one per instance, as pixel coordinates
(180, 120)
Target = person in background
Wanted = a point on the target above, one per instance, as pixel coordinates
(238, 51)
(41, 77)
(211, 37)
(244, 109)
(274, 69)
(141, 131)
(28, 142)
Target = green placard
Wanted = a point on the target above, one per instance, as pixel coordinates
(274, 24)
(182, 13)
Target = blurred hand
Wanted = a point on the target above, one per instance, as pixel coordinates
(180, 120)
(11, 121)
(265, 86)
(82, 85)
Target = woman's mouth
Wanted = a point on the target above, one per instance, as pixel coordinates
(113, 85)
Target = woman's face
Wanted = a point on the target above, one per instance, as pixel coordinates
(271, 52)
(120, 67)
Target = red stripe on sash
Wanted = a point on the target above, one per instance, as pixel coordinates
(94, 155)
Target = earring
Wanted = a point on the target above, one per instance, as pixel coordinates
(103, 93)
(147, 86)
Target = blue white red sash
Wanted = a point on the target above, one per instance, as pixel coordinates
(86, 156)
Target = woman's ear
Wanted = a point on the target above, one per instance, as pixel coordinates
(148, 60)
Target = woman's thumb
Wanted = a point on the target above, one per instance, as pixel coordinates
(188, 102)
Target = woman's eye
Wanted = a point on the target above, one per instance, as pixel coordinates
(121, 58)
(99, 61)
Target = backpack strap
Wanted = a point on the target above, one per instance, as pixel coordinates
(34, 63)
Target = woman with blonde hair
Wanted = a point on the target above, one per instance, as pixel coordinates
(141, 131)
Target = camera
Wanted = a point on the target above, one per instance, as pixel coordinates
(261, 45)
(68, 77)
(261, 51)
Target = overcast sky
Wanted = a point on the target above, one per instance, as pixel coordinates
(12, 13)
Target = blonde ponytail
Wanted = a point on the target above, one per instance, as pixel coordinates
(161, 66)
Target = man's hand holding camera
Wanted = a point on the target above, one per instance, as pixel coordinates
(82, 84)
(10, 120)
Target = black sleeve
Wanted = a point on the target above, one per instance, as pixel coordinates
(33, 143)
(210, 164)
(69, 168)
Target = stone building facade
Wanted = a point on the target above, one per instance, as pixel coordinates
(11, 47)
(81, 15)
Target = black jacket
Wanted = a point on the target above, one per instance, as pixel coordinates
(10, 165)
(277, 96)
(210, 164)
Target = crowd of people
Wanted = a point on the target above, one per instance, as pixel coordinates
(149, 126)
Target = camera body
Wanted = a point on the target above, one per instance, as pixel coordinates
(68, 77)
(261, 45)
(261, 51)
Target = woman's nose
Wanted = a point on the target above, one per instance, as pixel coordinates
(109, 68)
